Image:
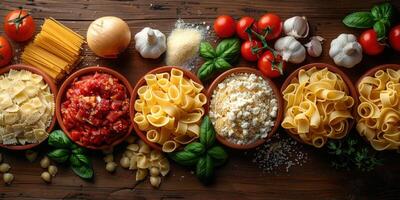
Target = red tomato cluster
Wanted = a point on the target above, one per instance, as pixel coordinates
(96, 109)
(372, 46)
(255, 34)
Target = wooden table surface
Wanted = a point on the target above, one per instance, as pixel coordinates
(240, 178)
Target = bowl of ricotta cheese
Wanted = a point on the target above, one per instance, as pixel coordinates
(244, 107)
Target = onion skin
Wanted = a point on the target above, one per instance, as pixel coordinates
(108, 36)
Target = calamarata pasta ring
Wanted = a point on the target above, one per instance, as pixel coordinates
(332, 92)
(378, 112)
(167, 106)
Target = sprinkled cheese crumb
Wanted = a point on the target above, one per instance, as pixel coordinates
(243, 108)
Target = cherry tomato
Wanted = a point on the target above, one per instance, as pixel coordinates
(5, 51)
(243, 24)
(267, 61)
(247, 52)
(19, 25)
(394, 38)
(271, 21)
(369, 42)
(224, 26)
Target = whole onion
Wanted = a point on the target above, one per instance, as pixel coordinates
(108, 36)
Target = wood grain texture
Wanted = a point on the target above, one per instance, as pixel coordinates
(240, 178)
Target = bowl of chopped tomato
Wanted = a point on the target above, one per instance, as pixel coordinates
(93, 107)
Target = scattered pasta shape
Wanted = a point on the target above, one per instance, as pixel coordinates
(317, 106)
(146, 162)
(379, 109)
(26, 108)
(169, 109)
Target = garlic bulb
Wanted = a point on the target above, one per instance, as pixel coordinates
(296, 26)
(314, 47)
(345, 50)
(290, 49)
(150, 43)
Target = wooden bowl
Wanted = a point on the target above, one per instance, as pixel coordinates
(371, 72)
(278, 96)
(53, 89)
(336, 70)
(134, 96)
(65, 86)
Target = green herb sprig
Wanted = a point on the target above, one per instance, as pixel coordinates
(205, 155)
(353, 153)
(66, 151)
(379, 18)
(220, 59)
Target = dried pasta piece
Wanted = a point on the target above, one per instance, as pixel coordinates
(169, 109)
(317, 106)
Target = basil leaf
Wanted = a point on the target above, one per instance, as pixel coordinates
(83, 171)
(222, 65)
(196, 148)
(206, 71)
(185, 158)
(359, 20)
(59, 155)
(74, 161)
(83, 159)
(205, 169)
(228, 49)
(218, 154)
(207, 51)
(58, 139)
(383, 11)
(207, 132)
(78, 150)
(381, 30)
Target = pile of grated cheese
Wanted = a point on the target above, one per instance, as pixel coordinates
(243, 108)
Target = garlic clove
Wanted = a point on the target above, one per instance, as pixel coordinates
(296, 26)
(314, 47)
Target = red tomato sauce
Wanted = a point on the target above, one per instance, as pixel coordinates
(96, 109)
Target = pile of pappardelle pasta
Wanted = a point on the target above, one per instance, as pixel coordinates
(169, 109)
(379, 109)
(317, 106)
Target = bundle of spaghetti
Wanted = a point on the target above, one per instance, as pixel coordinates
(56, 49)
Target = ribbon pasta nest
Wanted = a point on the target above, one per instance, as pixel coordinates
(26, 108)
(317, 106)
(169, 109)
(379, 109)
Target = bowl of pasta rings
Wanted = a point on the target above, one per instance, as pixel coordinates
(245, 108)
(378, 111)
(167, 106)
(319, 104)
(93, 107)
(27, 107)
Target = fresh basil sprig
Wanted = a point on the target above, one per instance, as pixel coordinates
(203, 155)
(66, 151)
(380, 19)
(218, 60)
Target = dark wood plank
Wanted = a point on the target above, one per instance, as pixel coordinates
(240, 178)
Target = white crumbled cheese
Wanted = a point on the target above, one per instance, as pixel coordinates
(243, 108)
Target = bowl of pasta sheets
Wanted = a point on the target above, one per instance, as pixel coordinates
(27, 106)
(319, 104)
(93, 107)
(167, 106)
(378, 111)
(245, 108)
